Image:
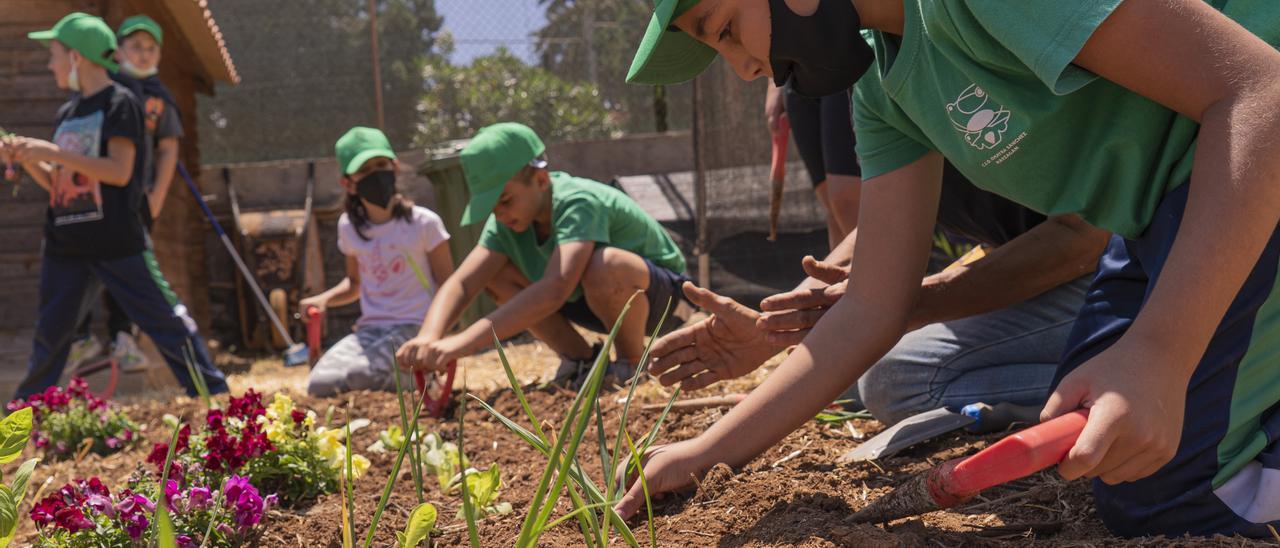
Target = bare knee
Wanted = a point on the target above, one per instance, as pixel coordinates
(614, 271)
(506, 284)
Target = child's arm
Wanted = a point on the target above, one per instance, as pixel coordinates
(457, 291)
(896, 223)
(166, 165)
(345, 292)
(541, 299)
(115, 169)
(1190, 58)
(441, 261)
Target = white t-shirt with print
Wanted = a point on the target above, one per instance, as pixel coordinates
(390, 293)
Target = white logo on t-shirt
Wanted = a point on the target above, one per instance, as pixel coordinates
(983, 126)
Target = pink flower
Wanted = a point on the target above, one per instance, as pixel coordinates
(197, 498)
(243, 498)
(101, 505)
(113, 442)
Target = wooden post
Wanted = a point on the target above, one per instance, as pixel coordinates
(700, 188)
(377, 63)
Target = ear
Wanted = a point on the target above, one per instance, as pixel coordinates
(347, 184)
(543, 178)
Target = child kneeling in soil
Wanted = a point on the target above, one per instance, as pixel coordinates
(555, 249)
(389, 244)
(94, 234)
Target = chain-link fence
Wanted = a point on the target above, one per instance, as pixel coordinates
(448, 67)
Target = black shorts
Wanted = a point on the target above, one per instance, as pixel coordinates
(664, 288)
(823, 132)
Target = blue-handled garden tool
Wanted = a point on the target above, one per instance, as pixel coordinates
(295, 353)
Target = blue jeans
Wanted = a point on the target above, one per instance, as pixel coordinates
(1009, 355)
(364, 360)
(68, 287)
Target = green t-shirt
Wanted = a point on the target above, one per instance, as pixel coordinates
(583, 210)
(989, 84)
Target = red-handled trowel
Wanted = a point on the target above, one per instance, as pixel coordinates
(778, 173)
(958, 480)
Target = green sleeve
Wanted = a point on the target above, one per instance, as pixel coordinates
(882, 146)
(583, 218)
(489, 237)
(1045, 35)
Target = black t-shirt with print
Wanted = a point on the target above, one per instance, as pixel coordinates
(87, 218)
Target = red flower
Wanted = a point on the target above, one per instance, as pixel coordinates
(247, 407)
(298, 416)
(72, 519)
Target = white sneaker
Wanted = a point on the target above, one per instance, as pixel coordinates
(83, 350)
(127, 354)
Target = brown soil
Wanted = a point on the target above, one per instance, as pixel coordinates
(793, 495)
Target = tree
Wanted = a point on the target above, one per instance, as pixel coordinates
(594, 41)
(459, 100)
(307, 75)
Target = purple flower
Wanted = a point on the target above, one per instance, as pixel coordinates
(185, 541)
(170, 491)
(101, 505)
(225, 529)
(198, 498)
(234, 487)
(113, 442)
(271, 501)
(133, 510)
(243, 498)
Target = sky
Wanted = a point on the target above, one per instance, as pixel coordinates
(481, 26)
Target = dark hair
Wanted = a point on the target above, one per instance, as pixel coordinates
(401, 209)
(527, 172)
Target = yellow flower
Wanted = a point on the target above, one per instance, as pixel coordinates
(281, 409)
(359, 465)
(329, 444)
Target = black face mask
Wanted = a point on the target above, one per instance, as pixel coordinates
(821, 54)
(378, 188)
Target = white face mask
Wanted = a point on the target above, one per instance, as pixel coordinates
(137, 73)
(73, 79)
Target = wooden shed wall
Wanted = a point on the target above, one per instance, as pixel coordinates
(28, 102)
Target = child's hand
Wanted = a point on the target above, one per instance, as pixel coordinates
(317, 301)
(27, 150)
(1136, 413)
(667, 468)
(722, 347)
(789, 316)
(425, 353)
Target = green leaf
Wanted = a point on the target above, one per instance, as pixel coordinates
(15, 430)
(421, 521)
(165, 537)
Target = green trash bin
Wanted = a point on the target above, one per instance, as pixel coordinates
(444, 168)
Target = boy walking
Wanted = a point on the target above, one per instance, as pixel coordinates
(140, 39)
(555, 249)
(94, 233)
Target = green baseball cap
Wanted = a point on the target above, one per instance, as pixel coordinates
(141, 23)
(359, 145)
(86, 34)
(666, 54)
(493, 156)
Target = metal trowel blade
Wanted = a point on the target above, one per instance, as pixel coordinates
(910, 431)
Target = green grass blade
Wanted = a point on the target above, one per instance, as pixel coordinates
(348, 489)
(626, 406)
(197, 376)
(539, 441)
(588, 395)
(587, 509)
(644, 486)
(417, 271)
(414, 461)
(653, 432)
(386, 488)
(162, 512)
(467, 508)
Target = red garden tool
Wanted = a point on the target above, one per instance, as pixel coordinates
(778, 173)
(437, 392)
(958, 480)
(313, 335)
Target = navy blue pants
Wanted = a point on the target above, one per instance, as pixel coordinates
(1225, 477)
(68, 287)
